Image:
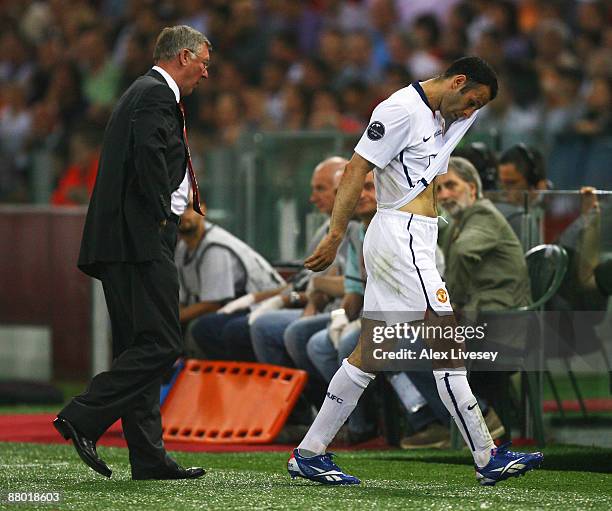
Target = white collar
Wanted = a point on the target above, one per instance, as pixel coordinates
(170, 81)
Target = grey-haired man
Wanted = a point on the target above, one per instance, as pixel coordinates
(144, 183)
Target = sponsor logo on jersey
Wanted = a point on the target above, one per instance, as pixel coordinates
(438, 133)
(441, 295)
(376, 130)
(425, 139)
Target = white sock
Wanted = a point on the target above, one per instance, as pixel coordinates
(457, 396)
(344, 390)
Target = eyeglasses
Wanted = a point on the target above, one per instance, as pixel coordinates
(205, 63)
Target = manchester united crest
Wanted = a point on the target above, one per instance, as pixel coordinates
(441, 295)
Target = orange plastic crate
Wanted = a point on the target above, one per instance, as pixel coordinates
(230, 402)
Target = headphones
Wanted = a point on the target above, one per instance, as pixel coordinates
(534, 171)
(488, 171)
(484, 160)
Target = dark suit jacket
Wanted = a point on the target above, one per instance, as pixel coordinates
(143, 161)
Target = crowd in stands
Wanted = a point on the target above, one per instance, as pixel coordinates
(285, 65)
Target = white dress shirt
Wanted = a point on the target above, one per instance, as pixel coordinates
(180, 196)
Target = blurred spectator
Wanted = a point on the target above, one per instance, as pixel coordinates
(398, 47)
(229, 78)
(561, 107)
(425, 59)
(324, 111)
(229, 118)
(101, 76)
(521, 168)
(591, 18)
(395, 77)
(512, 118)
(383, 16)
(215, 267)
(139, 20)
(551, 40)
(522, 172)
(48, 55)
(78, 179)
(409, 9)
(15, 123)
(555, 59)
(243, 39)
(489, 46)
(194, 14)
(325, 114)
(295, 107)
(15, 131)
(312, 74)
(15, 63)
(65, 95)
(596, 118)
(332, 50)
(138, 51)
(503, 15)
(356, 103)
(273, 77)
(484, 160)
(359, 61)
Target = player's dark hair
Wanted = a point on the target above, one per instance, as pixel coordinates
(476, 70)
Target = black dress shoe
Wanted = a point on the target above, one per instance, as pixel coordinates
(177, 473)
(85, 448)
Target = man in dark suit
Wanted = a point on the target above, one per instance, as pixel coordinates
(144, 183)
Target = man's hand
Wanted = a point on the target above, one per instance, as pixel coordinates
(324, 254)
(244, 302)
(269, 305)
(588, 200)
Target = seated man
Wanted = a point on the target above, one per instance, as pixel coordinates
(215, 267)
(485, 271)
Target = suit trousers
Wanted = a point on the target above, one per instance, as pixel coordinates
(142, 300)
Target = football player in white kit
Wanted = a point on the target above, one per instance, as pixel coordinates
(407, 143)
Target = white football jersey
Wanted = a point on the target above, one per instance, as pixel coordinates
(401, 140)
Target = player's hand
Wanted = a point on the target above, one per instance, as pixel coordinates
(324, 254)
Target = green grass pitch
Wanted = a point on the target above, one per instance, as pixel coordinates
(572, 478)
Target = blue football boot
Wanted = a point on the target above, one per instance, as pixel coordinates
(320, 469)
(505, 464)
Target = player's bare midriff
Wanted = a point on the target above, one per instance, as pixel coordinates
(423, 204)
